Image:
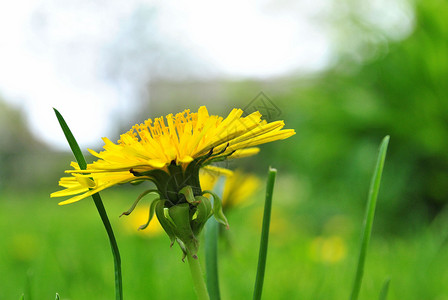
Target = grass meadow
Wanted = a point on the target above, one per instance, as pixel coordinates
(46, 248)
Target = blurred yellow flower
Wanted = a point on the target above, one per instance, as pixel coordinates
(140, 217)
(331, 249)
(238, 187)
(162, 151)
(24, 247)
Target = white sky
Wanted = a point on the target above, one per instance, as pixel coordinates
(57, 53)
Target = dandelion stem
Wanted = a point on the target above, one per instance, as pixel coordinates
(198, 278)
(264, 234)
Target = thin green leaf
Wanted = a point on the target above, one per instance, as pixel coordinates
(22, 297)
(28, 280)
(264, 234)
(384, 289)
(369, 216)
(57, 296)
(71, 141)
(211, 259)
(211, 250)
(99, 206)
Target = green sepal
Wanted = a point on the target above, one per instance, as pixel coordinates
(219, 158)
(203, 212)
(159, 177)
(183, 248)
(164, 222)
(168, 217)
(137, 182)
(180, 214)
(187, 191)
(130, 210)
(217, 209)
(152, 209)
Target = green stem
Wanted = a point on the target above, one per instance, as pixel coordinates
(198, 278)
(264, 235)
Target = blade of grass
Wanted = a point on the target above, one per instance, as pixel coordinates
(384, 289)
(211, 249)
(28, 285)
(99, 206)
(369, 216)
(264, 234)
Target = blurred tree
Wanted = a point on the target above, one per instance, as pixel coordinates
(25, 163)
(341, 116)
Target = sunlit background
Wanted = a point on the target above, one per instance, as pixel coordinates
(343, 74)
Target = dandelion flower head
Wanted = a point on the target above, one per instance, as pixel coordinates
(170, 151)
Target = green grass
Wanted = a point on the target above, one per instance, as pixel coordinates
(368, 220)
(99, 206)
(64, 250)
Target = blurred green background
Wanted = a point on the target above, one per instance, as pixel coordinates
(340, 115)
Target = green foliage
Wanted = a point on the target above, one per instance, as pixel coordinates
(24, 161)
(340, 115)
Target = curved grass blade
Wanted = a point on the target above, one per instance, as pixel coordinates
(99, 206)
(264, 234)
(57, 297)
(384, 289)
(369, 216)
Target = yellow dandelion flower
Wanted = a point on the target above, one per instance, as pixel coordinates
(170, 152)
(178, 146)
